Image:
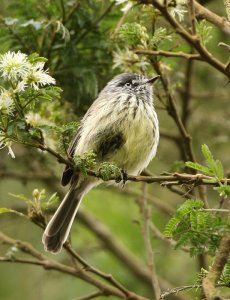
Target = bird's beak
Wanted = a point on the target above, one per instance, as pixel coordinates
(153, 79)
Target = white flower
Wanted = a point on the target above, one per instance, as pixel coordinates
(37, 77)
(4, 143)
(6, 102)
(37, 120)
(178, 11)
(127, 7)
(10, 150)
(34, 119)
(118, 2)
(21, 86)
(14, 65)
(128, 61)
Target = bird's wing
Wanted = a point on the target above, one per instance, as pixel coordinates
(68, 172)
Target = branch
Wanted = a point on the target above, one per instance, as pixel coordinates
(48, 264)
(210, 281)
(213, 18)
(122, 253)
(150, 255)
(169, 54)
(108, 277)
(191, 39)
(186, 287)
(192, 16)
(167, 180)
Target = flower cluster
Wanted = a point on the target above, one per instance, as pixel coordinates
(179, 10)
(17, 68)
(21, 78)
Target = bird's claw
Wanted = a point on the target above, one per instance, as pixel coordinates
(124, 176)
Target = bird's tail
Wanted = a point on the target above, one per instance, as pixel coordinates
(59, 226)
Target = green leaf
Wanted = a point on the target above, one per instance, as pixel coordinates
(171, 226)
(198, 167)
(20, 197)
(219, 170)
(53, 200)
(223, 190)
(35, 58)
(208, 156)
(133, 34)
(160, 34)
(4, 210)
(204, 31)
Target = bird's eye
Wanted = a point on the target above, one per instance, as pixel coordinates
(128, 84)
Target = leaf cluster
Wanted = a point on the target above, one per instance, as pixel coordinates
(213, 168)
(70, 37)
(195, 228)
(85, 162)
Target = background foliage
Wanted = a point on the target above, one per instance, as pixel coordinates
(143, 233)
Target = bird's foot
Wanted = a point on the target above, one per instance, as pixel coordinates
(124, 176)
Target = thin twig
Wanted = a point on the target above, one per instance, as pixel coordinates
(169, 54)
(145, 211)
(186, 287)
(108, 277)
(191, 39)
(192, 16)
(49, 264)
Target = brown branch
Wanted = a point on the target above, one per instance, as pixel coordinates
(111, 243)
(213, 18)
(186, 93)
(169, 54)
(192, 15)
(167, 180)
(191, 39)
(186, 287)
(173, 112)
(108, 277)
(210, 281)
(126, 257)
(49, 264)
(145, 212)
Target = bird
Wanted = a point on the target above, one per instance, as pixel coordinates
(121, 126)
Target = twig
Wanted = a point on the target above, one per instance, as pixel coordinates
(225, 46)
(145, 212)
(191, 39)
(49, 264)
(192, 16)
(167, 180)
(186, 287)
(108, 277)
(186, 94)
(121, 21)
(169, 54)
